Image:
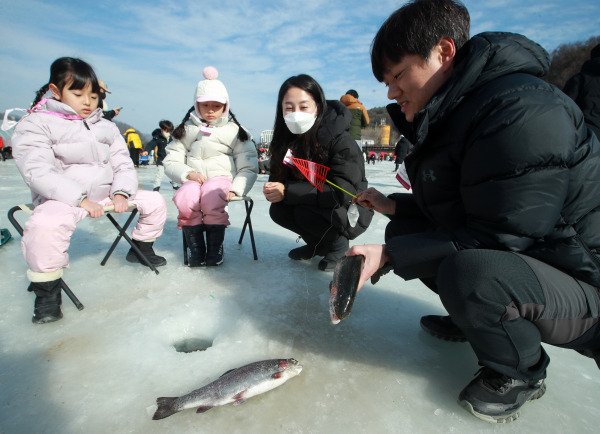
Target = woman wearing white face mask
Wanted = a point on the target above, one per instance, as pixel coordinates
(311, 128)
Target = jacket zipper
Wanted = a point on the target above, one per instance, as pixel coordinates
(587, 249)
(96, 158)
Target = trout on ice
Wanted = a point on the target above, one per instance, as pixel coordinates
(234, 386)
(344, 285)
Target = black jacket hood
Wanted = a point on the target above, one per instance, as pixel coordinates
(157, 134)
(336, 120)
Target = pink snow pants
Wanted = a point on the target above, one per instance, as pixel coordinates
(48, 230)
(203, 203)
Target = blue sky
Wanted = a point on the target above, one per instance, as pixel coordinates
(151, 53)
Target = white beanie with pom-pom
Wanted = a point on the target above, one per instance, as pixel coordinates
(211, 89)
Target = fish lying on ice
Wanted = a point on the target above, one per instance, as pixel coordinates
(344, 285)
(236, 385)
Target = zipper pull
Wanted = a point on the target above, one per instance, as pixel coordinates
(86, 125)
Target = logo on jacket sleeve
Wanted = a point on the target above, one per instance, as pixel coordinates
(428, 176)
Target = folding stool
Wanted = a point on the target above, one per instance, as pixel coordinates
(249, 204)
(122, 233)
(28, 208)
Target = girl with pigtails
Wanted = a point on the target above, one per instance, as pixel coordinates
(75, 163)
(213, 157)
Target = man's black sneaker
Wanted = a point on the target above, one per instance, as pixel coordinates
(442, 327)
(496, 398)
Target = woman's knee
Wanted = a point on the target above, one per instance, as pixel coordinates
(280, 214)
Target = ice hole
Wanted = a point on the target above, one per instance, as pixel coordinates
(192, 344)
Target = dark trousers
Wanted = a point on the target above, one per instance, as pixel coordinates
(134, 153)
(311, 223)
(507, 304)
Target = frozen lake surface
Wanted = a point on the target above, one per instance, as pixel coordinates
(101, 369)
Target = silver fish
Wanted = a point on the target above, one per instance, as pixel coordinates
(236, 385)
(344, 285)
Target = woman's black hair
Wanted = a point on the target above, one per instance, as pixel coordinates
(179, 132)
(416, 28)
(65, 70)
(305, 146)
(242, 133)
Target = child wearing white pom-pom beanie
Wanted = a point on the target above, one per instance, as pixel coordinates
(214, 158)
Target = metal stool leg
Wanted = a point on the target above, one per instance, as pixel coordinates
(70, 294)
(122, 234)
(185, 250)
(249, 203)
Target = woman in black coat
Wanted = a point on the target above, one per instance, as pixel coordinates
(310, 128)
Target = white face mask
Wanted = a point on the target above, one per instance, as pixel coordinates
(300, 122)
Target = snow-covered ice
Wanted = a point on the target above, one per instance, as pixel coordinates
(101, 369)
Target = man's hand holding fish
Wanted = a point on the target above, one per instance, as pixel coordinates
(375, 258)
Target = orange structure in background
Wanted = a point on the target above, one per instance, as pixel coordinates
(385, 135)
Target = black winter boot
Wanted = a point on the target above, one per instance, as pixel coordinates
(156, 189)
(307, 251)
(146, 248)
(302, 253)
(47, 301)
(215, 235)
(194, 238)
(337, 249)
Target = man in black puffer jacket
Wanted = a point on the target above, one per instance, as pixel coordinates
(584, 89)
(504, 220)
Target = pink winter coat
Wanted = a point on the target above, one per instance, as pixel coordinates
(68, 159)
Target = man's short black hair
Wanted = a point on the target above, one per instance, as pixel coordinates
(353, 93)
(416, 28)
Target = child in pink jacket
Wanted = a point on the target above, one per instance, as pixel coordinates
(75, 163)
